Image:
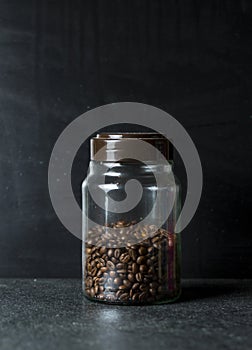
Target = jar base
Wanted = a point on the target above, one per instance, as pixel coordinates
(136, 303)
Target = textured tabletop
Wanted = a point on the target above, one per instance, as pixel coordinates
(49, 314)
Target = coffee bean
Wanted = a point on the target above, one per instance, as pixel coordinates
(127, 283)
(134, 268)
(110, 253)
(150, 250)
(133, 254)
(139, 277)
(143, 268)
(103, 250)
(110, 265)
(89, 282)
(88, 251)
(155, 239)
(120, 266)
(124, 297)
(102, 281)
(122, 287)
(141, 259)
(135, 286)
(117, 253)
(99, 273)
(93, 271)
(143, 287)
(112, 274)
(117, 281)
(142, 250)
(125, 258)
(143, 296)
(131, 277)
(114, 260)
(119, 293)
(135, 297)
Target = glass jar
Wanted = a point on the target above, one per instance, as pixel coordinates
(131, 253)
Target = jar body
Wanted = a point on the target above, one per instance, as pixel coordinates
(125, 258)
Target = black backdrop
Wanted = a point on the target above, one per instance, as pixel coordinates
(59, 58)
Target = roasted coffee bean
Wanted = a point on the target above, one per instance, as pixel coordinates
(99, 273)
(121, 271)
(92, 292)
(89, 282)
(143, 268)
(120, 224)
(121, 266)
(135, 267)
(114, 260)
(150, 250)
(141, 259)
(102, 262)
(136, 297)
(102, 281)
(93, 271)
(133, 254)
(127, 283)
(103, 269)
(155, 239)
(142, 251)
(125, 258)
(96, 289)
(122, 287)
(117, 253)
(88, 251)
(110, 253)
(119, 293)
(131, 277)
(124, 297)
(117, 281)
(112, 273)
(135, 286)
(103, 250)
(110, 265)
(143, 287)
(139, 277)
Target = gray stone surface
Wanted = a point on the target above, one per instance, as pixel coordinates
(52, 314)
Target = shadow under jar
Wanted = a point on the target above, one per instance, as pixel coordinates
(131, 254)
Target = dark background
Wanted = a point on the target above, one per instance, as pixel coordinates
(60, 58)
